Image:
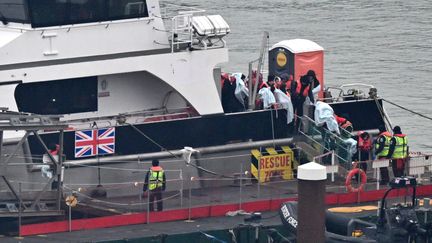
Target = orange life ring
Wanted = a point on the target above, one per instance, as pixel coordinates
(350, 175)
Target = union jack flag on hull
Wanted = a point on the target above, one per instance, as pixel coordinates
(94, 142)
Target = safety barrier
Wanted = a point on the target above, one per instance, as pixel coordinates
(324, 141)
(246, 189)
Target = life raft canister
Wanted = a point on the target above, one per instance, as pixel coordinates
(350, 175)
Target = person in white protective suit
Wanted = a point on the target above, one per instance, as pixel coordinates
(284, 102)
(46, 168)
(324, 117)
(241, 92)
(267, 97)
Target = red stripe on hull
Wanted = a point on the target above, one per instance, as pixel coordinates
(206, 211)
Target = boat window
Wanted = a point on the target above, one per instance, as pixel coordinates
(61, 12)
(126, 9)
(14, 11)
(58, 97)
(47, 12)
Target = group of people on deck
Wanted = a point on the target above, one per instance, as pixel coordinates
(385, 146)
(285, 92)
(277, 92)
(394, 147)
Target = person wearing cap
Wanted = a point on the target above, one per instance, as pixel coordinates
(399, 150)
(382, 146)
(155, 182)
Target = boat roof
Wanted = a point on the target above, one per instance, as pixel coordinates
(298, 45)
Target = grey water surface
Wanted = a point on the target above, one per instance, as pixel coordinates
(384, 43)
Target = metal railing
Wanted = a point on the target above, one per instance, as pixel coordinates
(324, 140)
(236, 187)
(243, 187)
(178, 21)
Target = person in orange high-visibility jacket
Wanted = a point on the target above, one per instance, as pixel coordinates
(155, 182)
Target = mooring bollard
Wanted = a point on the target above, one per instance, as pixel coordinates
(311, 202)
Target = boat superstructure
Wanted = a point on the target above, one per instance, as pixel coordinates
(91, 59)
(149, 75)
(143, 75)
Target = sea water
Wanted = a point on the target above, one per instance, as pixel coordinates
(384, 43)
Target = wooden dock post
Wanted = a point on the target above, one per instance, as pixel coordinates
(311, 203)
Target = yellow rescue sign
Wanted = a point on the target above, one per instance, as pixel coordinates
(272, 163)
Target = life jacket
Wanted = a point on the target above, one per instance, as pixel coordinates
(155, 177)
(347, 125)
(385, 150)
(299, 88)
(224, 76)
(344, 123)
(55, 151)
(364, 144)
(263, 85)
(401, 148)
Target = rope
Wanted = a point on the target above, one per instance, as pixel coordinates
(381, 111)
(119, 204)
(175, 156)
(406, 109)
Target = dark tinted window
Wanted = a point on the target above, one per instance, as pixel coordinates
(61, 12)
(14, 11)
(86, 11)
(58, 97)
(48, 12)
(120, 9)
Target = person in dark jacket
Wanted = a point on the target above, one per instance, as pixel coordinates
(299, 91)
(155, 182)
(230, 103)
(399, 151)
(382, 145)
(313, 79)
